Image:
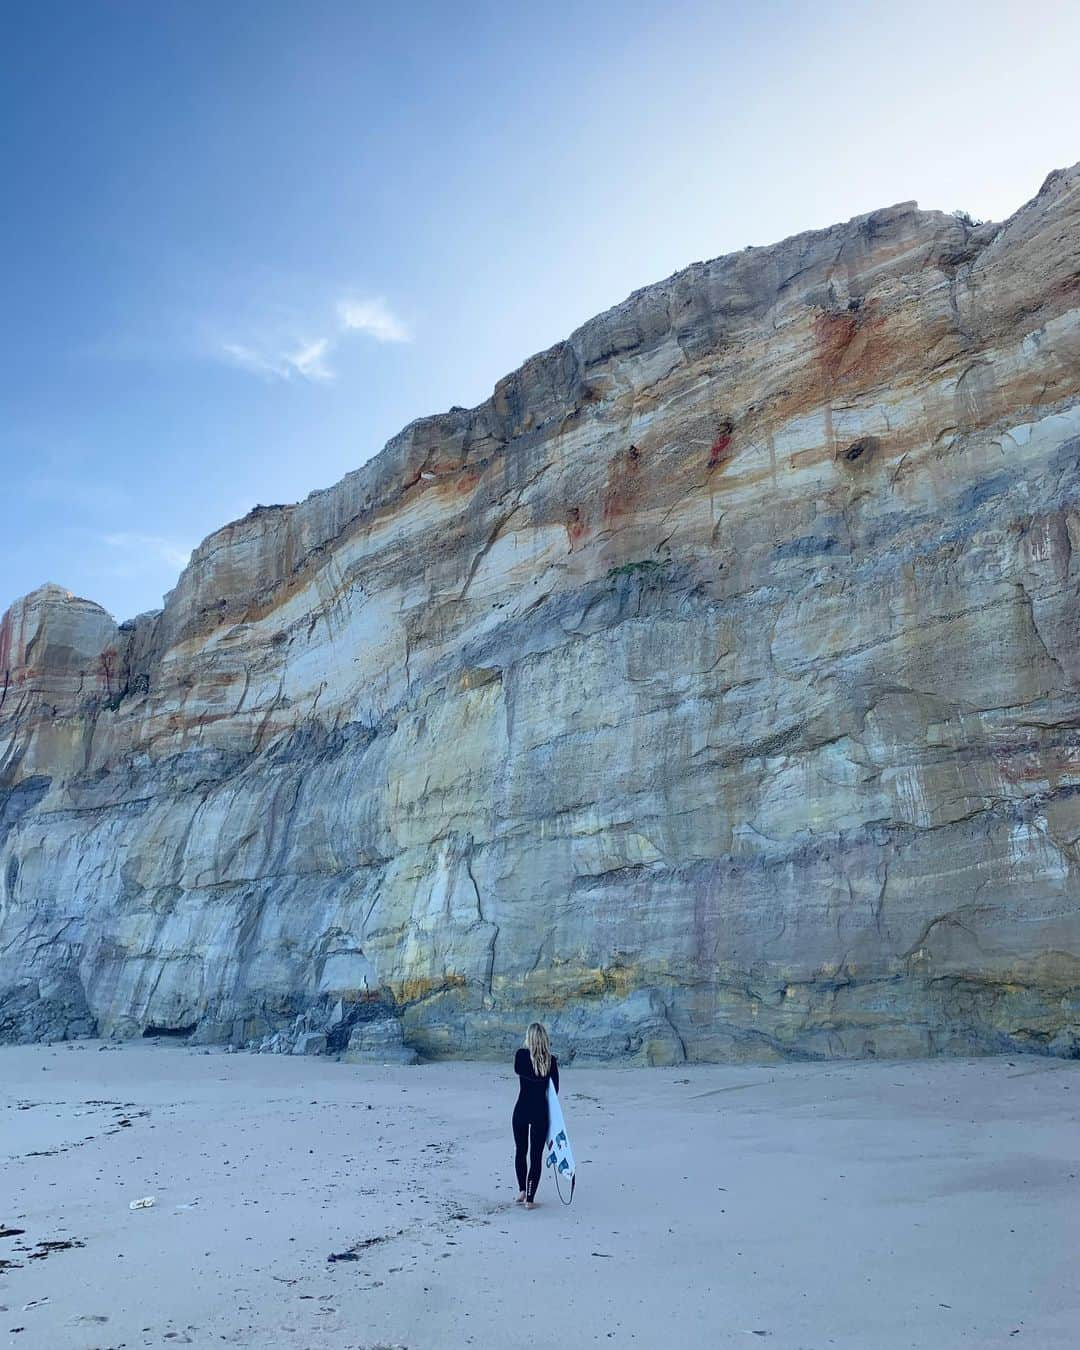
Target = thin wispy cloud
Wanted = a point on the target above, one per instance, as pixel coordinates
(276, 352)
(247, 358)
(305, 360)
(310, 362)
(375, 318)
(131, 550)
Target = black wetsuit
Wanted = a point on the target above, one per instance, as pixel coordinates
(531, 1117)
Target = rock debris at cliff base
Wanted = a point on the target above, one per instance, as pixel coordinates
(711, 691)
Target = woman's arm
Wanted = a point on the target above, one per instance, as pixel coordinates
(555, 1074)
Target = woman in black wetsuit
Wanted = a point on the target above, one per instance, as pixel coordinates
(534, 1065)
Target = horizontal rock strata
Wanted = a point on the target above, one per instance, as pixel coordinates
(712, 691)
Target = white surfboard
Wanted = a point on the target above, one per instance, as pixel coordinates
(558, 1155)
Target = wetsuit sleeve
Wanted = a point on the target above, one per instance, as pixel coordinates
(555, 1072)
(521, 1062)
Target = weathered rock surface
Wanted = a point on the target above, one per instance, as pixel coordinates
(713, 690)
(379, 1043)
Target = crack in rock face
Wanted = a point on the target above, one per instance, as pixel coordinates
(711, 691)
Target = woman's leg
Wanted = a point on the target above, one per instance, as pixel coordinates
(536, 1156)
(521, 1144)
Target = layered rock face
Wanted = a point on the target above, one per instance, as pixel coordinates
(711, 691)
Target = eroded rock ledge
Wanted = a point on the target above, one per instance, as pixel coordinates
(711, 691)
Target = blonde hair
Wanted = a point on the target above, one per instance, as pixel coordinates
(539, 1048)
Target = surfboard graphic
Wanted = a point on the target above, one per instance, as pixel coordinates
(558, 1155)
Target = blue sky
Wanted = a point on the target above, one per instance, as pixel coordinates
(243, 244)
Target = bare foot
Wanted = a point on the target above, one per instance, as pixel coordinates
(520, 1199)
(530, 1204)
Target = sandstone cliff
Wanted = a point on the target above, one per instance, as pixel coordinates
(712, 690)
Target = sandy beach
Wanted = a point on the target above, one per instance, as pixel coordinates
(915, 1204)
